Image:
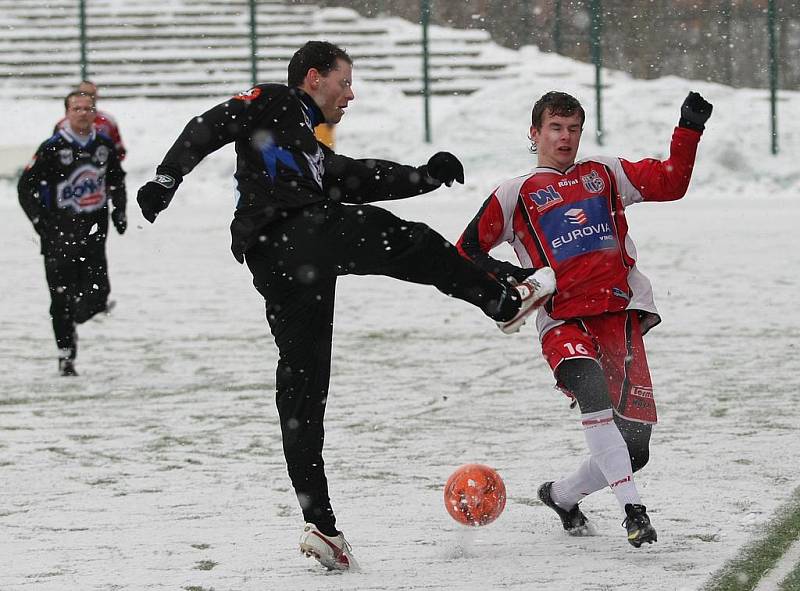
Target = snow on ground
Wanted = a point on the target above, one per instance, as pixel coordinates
(160, 466)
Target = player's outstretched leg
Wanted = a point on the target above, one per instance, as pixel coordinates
(333, 552)
(573, 520)
(640, 531)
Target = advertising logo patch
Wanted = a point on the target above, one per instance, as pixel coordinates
(545, 198)
(576, 216)
(84, 190)
(579, 228)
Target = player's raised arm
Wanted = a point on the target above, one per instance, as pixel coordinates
(667, 180)
(200, 137)
(352, 180)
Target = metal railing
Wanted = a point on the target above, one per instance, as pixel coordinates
(597, 16)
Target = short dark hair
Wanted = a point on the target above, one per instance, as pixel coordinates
(558, 104)
(76, 93)
(319, 55)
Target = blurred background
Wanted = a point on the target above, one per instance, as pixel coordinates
(182, 48)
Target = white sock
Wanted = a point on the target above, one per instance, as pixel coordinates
(610, 454)
(570, 490)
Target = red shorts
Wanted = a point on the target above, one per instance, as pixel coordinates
(615, 341)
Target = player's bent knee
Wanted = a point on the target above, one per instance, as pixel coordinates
(584, 379)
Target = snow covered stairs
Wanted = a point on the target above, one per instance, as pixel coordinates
(199, 48)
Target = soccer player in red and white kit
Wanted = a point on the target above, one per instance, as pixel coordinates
(570, 216)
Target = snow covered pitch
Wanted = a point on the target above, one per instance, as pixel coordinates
(160, 467)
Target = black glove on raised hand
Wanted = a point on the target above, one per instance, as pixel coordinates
(695, 111)
(155, 195)
(120, 220)
(446, 168)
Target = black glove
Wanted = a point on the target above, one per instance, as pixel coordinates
(155, 195)
(512, 274)
(120, 220)
(446, 168)
(695, 111)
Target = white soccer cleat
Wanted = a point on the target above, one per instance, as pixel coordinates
(334, 553)
(534, 292)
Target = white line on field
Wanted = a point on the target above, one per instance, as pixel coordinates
(781, 569)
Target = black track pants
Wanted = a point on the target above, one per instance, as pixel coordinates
(295, 266)
(79, 288)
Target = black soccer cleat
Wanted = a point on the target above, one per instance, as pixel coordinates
(66, 367)
(574, 521)
(638, 525)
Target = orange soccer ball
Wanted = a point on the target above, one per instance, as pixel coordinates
(475, 495)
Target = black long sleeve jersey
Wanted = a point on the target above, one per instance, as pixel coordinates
(65, 189)
(280, 165)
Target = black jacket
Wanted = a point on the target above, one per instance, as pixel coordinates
(65, 190)
(280, 165)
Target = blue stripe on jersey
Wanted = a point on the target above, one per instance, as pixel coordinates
(272, 154)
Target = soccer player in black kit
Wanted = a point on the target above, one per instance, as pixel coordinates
(300, 222)
(65, 192)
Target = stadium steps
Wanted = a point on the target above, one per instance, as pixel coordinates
(199, 48)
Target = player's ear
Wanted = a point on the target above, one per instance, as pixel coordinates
(312, 79)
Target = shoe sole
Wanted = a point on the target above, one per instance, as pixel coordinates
(548, 283)
(310, 552)
(518, 322)
(647, 538)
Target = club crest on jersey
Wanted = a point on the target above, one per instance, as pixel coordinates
(545, 198)
(84, 190)
(593, 183)
(248, 95)
(65, 156)
(101, 155)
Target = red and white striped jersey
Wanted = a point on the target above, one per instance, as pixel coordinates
(574, 221)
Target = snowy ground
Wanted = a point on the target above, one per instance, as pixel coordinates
(160, 466)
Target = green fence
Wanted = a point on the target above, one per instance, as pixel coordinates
(576, 26)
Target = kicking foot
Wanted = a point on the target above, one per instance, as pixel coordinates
(333, 552)
(573, 521)
(533, 292)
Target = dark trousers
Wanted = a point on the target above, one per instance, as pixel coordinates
(295, 266)
(77, 276)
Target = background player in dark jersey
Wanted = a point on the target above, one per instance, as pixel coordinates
(104, 123)
(295, 227)
(570, 216)
(64, 192)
